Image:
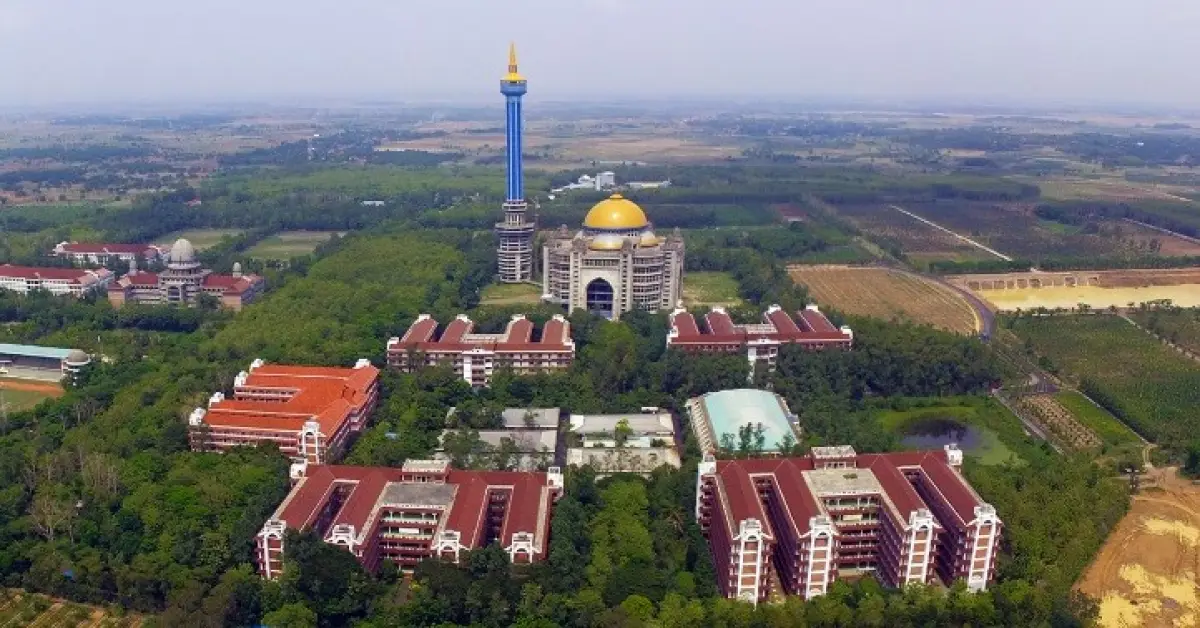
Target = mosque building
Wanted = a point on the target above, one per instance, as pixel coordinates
(184, 281)
(615, 264)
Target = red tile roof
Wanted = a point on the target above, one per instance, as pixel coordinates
(777, 325)
(230, 284)
(329, 395)
(73, 275)
(800, 502)
(528, 503)
(459, 335)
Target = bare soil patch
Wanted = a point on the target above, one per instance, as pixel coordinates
(1145, 575)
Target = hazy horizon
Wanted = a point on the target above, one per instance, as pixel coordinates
(1068, 52)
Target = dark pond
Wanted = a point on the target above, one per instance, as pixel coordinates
(933, 432)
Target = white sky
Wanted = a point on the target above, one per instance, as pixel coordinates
(130, 51)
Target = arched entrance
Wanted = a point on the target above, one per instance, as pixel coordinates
(600, 298)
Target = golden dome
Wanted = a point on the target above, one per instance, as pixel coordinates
(649, 239)
(616, 213)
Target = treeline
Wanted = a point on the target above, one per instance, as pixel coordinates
(1061, 264)
(1170, 216)
(29, 317)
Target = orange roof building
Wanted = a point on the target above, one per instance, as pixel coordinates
(422, 510)
(311, 412)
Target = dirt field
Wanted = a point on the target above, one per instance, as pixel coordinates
(889, 294)
(1146, 574)
(21, 394)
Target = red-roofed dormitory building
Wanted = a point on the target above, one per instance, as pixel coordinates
(98, 253)
(75, 282)
(906, 517)
(476, 356)
(311, 412)
(758, 342)
(423, 510)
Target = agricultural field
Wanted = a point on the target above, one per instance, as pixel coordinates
(20, 394)
(1142, 238)
(1146, 573)
(1178, 326)
(710, 289)
(1059, 422)
(888, 294)
(511, 294)
(1101, 422)
(288, 244)
(920, 243)
(1150, 387)
(19, 609)
(200, 238)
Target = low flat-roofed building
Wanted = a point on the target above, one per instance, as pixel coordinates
(804, 522)
(523, 449)
(311, 412)
(719, 419)
(523, 418)
(103, 253)
(40, 363)
(759, 342)
(624, 443)
(422, 510)
(477, 356)
(75, 282)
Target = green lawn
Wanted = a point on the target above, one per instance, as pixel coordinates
(984, 415)
(1097, 419)
(511, 294)
(200, 238)
(710, 288)
(288, 244)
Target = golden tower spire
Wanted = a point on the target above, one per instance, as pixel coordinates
(513, 74)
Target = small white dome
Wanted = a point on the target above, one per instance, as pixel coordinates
(77, 357)
(182, 252)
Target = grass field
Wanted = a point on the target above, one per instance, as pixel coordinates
(710, 288)
(985, 419)
(288, 244)
(200, 238)
(887, 294)
(1101, 421)
(511, 294)
(1147, 385)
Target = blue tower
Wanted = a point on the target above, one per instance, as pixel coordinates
(514, 255)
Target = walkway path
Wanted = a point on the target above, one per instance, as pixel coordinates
(960, 237)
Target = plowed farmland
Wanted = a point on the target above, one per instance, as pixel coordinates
(1145, 575)
(888, 294)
